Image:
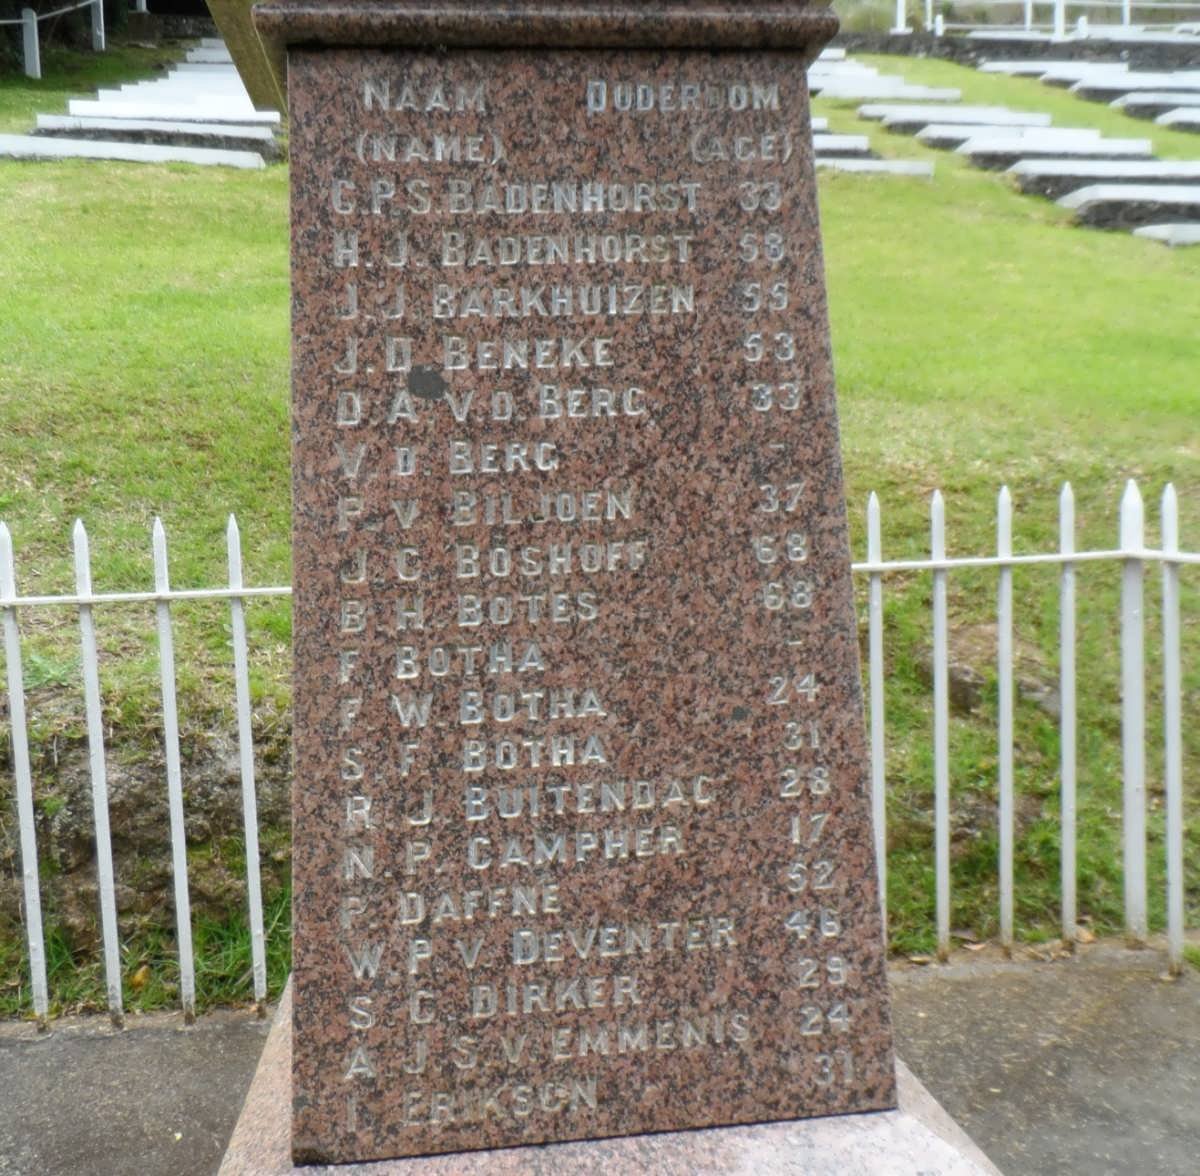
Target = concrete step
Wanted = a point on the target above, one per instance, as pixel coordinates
(219, 136)
(1035, 66)
(210, 54)
(912, 118)
(996, 154)
(45, 147)
(1054, 178)
(891, 167)
(1180, 233)
(883, 88)
(1064, 77)
(952, 135)
(1152, 103)
(174, 112)
(1182, 118)
(841, 145)
(1123, 206)
(1101, 90)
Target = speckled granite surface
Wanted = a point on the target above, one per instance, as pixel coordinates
(581, 836)
(918, 1139)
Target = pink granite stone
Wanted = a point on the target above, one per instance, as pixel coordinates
(582, 845)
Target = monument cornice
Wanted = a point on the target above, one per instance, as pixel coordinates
(259, 36)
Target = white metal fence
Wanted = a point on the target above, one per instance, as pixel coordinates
(1081, 17)
(1131, 555)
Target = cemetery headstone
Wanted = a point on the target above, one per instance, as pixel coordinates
(582, 842)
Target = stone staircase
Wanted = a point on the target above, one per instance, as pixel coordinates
(197, 113)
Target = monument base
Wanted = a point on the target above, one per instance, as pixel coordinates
(918, 1137)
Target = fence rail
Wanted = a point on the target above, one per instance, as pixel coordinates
(30, 43)
(1132, 556)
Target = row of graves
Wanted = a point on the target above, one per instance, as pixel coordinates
(1114, 183)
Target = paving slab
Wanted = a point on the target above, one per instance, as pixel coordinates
(1152, 103)
(997, 154)
(51, 148)
(953, 134)
(156, 1099)
(222, 136)
(890, 167)
(1185, 233)
(1056, 177)
(1123, 206)
(1081, 1065)
(1182, 118)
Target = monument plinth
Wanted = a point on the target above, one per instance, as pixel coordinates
(582, 844)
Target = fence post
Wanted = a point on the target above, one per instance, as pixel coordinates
(1133, 714)
(1126, 12)
(1060, 19)
(29, 34)
(166, 660)
(140, 6)
(1028, 15)
(1172, 729)
(941, 727)
(901, 17)
(878, 771)
(1004, 673)
(98, 40)
(241, 677)
(23, 778)
(1066, 690)
(928, 15)
(95, 738)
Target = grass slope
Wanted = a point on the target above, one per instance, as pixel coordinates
(979, 339)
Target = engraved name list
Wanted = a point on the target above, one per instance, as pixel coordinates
(579, 806)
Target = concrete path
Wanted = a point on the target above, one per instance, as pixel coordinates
(1087, 1066)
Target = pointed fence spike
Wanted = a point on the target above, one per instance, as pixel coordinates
(233, 547)
(83, 559)
(8, 580)
(162, 582)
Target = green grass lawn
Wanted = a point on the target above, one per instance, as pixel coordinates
(979, 339)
